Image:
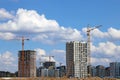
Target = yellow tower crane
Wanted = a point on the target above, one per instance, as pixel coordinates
(89, 29)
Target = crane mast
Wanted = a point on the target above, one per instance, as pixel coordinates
(22, 57)
(89, 29)
(23, 39)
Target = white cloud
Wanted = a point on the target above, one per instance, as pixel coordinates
(110, 34)
(42, 56)
(99, 34)
(39, 53)
(105, 52)
(44, 30)
(7, 58)
(68, 34)
(58, 51)
(8, 62)
(6, 35)
(107, 48)
(114, 33)
(49, 31)
(60, 56)
(30, 21)
(100, 61)
(5, 14)
(62, 35)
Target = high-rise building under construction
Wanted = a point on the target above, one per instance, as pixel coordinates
(27, 63)
(76, 59)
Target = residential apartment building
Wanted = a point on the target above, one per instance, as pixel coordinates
(76, 59)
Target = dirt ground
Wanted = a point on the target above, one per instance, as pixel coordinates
(46, 78)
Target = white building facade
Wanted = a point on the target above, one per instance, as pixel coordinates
(76, 59)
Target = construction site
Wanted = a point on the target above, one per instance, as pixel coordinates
(59, 40)
(78, 60)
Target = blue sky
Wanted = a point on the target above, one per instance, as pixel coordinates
(51, 23)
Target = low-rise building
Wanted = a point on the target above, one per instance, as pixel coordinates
(107, 72)
(100, 71)
(62, 71)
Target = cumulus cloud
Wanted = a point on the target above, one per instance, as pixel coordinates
(106, 49)
(7, 58)
(30, 21)
(60, 56)
(42, 56)
(69, 34)
(49, 31)
(5, 14)
(100, 61)
(110, 34)
(99, 34)
(7, 35)
(105, 52)
(43, 29)
(62, 35)
(7, 62)
(114, 33)
(58, 51)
